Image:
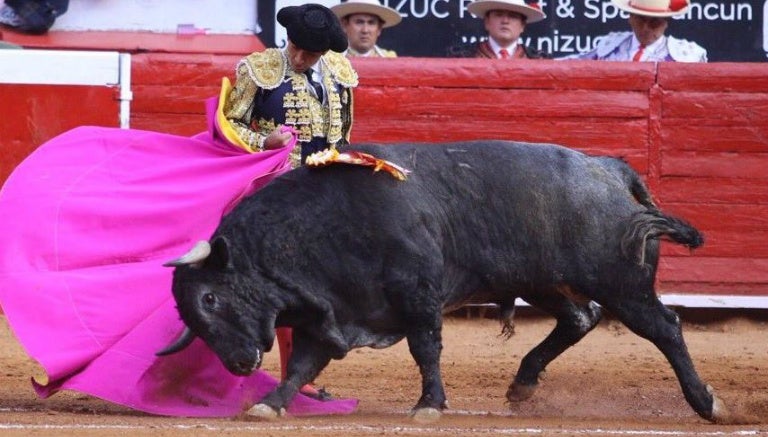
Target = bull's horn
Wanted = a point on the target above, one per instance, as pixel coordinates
(183, 341)
(197, 254)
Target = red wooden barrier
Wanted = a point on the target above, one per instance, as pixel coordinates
(32, 114)
(697, 133)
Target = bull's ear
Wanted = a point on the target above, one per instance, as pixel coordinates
(220, 257)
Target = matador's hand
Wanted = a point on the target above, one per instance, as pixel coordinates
(277, 139)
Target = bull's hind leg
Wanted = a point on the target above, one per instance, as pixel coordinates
(574, 321)
(647, 317)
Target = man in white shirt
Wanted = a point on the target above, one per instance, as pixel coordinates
(647, 41)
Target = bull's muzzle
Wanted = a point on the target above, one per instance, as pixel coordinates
(243, 366)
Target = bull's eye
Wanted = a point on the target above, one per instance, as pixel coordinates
(209, 299)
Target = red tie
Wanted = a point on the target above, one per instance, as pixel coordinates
(503, 54)
(639, 53)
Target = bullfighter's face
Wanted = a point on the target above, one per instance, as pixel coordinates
(301, 60)
(219, 305)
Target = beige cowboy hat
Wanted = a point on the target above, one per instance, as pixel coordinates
(531, 11)
(653, 8)
(389, 16)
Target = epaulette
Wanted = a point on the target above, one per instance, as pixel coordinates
(266, 69)
(682, 50)
(384, 53)
(341, 69)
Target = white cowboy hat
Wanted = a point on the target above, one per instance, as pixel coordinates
(653, 8)
(531, 11)
(389, 16)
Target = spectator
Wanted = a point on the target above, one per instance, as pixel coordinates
(647, 41)
(307, 86)
(505, 21)
(32, 16)
(363, 21)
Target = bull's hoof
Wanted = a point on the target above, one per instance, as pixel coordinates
(426, 415)
(723, 416)
(520, 392)
(264, 412)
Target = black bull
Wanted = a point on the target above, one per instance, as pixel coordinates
(349, 258)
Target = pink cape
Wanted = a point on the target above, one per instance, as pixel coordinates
(86, 222)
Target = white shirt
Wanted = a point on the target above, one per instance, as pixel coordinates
(317, 76)
(656, 51)
(497, 48)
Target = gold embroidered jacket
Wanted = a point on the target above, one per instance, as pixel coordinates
(267, 94)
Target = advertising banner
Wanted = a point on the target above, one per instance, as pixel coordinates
(730, 30)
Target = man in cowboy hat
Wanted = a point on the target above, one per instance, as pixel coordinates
(647, 41)
(505, 21)
(307, 86)
(363, 21)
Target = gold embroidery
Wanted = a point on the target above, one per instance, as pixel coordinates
(341, 69)
(290, 100)
(239, 101)
(295, 156)
(266, 126)
(308, 115)
(334, 121)
(270, 69)
(267, 69)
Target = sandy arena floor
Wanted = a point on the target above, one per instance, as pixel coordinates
(613, 383)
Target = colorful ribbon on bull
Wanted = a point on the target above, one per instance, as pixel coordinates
(332, 156)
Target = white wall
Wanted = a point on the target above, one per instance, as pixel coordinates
(217, 16)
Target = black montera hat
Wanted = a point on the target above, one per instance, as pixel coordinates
(313, 27)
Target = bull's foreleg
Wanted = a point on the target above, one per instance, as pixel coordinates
(574, 321)
(307, 360)
(425, 343)
(650, 319)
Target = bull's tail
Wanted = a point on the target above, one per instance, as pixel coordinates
(619, 168)
(640, 192)
(652, 224)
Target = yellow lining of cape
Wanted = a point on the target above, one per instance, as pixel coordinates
(224, 125)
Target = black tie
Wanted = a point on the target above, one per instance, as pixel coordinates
(318, 88)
